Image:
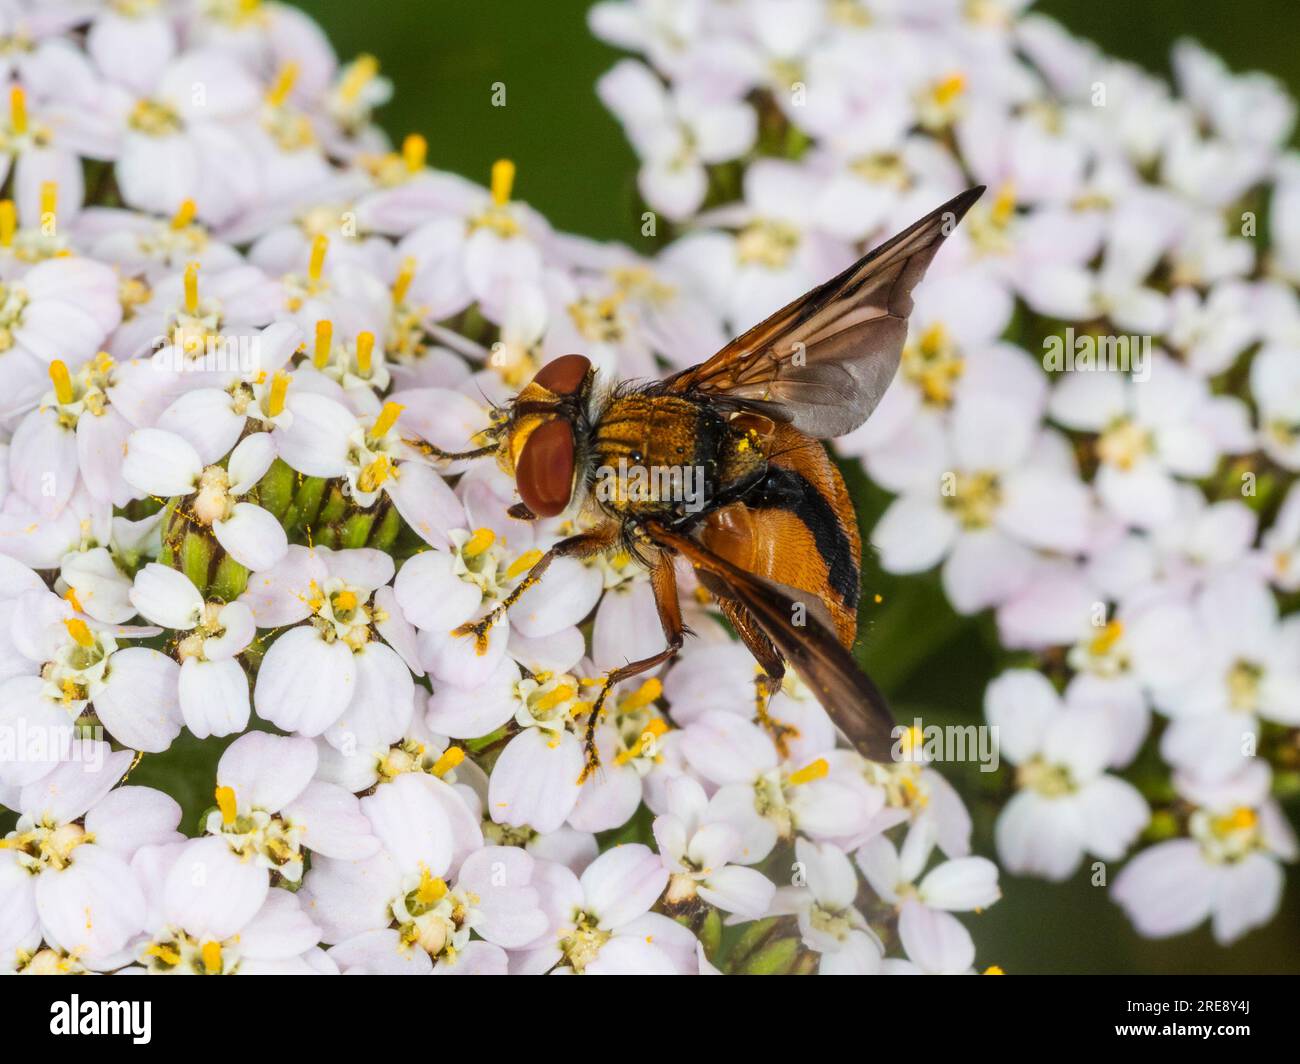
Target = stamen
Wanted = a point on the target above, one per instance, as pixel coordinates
(949, 89)
(49, 200)
(563, 693)
(79, 631)
(503, 180)
(415, 149)
(192, 288)
(643, 695)
(365, 349)
(226, 803)
(360, 73)
(184, 214)
(62, 381)
(284, 82)
(164, 953)
(431, 890)
(375, 473)
(451, 757)
(478, 543)
(404, 277)
(324, 344)
(319, 245)
(8, 222)
(1107, 638)
(386, 420)
(18, 110)
(815, 770)
(211, 953)
(70, 597)
(279, 388)
(345, 601)
(1005, 204)
(523, 563)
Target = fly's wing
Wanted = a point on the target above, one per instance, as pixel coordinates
(854, 703)
(824, 361)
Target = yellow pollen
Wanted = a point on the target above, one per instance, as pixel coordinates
(451, 757)
(62, 381)
(403, 283)
(70, 597)
(815, 770)
(79, 631)
(564, 693)
(375, 473)
(49, 199)
(415, 149)
(947, 90)
(993, 969)
(345, 601)
(192, 288)
(643, 695)
(877, 599)
(284, 82)
(279, 387)
(649, 733)
(164, 953)
(359, 74)
(18, 110)
(386, 420)
(1005, 204)
(523, 563)
(211, 952)
(480, 541)
(8, 223)
(503, 180)
(319, 245)
(431, 890)
(365, 352)
(324, 343)
(226, 803)
(1106, 639)
(184, 214)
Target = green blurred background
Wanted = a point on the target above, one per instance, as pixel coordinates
(575, 166)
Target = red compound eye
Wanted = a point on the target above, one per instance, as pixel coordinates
(565, 375)
(544, 472)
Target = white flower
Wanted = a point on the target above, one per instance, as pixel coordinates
(958, 885)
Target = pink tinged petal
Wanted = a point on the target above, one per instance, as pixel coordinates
(279, 930)
(432, 597)
(348, 897)
(333, 822)
(666, 935)
(1079, 739)
(622, 884)
(535, 781)
(396, 630)
(502, 878)
(239, 629)
(1039, 836)
(93, 906)
(736, 889)
(961, 885)
(316, 442)
(1113, 813)
(714, 845)
(426, 503)
(130, 817)
(205, 419)
(628, 955)
(859, 954)
(166, 597)
(468, 713)
(1144, 495)
(558, 652)
(671, 838)
(412, 826)
(627, 627)
(380, 953)
(281, 596)
(140, 703)
(304, 684)
(914, 534)
(250, 461)
(1247, 895)
(1044, 509)
(381, 709)
(828, 872)
(252, 537)
(758, 834)
(214, 697)
(1167, 889)
(609, 800)
(77, 784)
(567, 594)
(18, 917)
(935, 940)
(210, 892)
(1051, 610)
(160, 463)
(38, 730)
(43, 466)
(723, 749)
(458, 659)
(986, 568)
(878, 862)
(267, 771)
(361, 567)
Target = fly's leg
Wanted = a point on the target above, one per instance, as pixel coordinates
(583, 545)
(768, 682)
(663, 581)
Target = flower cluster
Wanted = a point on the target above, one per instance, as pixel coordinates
(240, 331)
(1095, 432)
